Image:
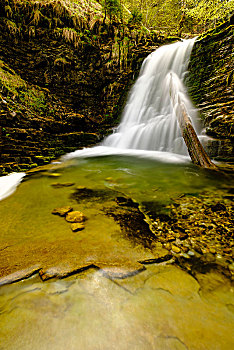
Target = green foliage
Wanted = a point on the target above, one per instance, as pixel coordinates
(112, 8)
(206, 14)
(13, 87)
(10, 82)
(157, 14)
(34, 99)
(175, 16)
(136, 17)
(51, 13)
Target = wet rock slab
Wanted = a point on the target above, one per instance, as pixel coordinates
(161, 308)
(19, 275)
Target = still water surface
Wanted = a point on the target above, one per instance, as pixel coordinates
(162, 307)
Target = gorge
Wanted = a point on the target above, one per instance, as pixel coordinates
(123, 244)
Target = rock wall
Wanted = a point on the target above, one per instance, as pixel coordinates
(64, 78)
(211, 86)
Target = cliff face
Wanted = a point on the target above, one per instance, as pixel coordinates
(65, 73)
(211, 86)
(64, 77)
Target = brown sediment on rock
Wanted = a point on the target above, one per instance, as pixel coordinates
(19, 275)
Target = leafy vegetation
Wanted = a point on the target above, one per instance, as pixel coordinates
(14, 88)
(179, 15)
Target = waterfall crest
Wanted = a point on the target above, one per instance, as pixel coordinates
(149, 121)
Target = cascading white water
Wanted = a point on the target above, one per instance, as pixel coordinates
(149, 121)
(149, 125)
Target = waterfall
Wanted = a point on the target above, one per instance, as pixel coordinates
(149, 121)
(149, 127)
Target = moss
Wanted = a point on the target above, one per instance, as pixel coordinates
(65, 13)
(210, 79)
(10, 82)
(91, 80)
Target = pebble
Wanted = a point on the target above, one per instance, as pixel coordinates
(80, 187)
(175, 249)
(227, 250)
(53, 175)
(75, 216)
(191, 253)
(183, 235)
(212, 250)
(65, 184)
(184, 255)
(185, 249)
(62, 211)
(168, 246)
(170, 238)
(204, 250)
(109, 179)
(209, 258)
(77, 227)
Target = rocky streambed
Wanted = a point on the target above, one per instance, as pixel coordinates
(117, 253)
(63, 227)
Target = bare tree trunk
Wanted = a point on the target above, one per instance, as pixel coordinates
(195, 149)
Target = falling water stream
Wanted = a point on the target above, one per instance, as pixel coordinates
(149, 121)
(116, 294)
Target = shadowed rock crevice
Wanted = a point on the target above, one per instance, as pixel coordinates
(211, 85)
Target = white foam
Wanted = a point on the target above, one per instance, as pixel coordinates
(9, 183)
(101, 151)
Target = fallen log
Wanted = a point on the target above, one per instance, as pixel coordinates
(195, 149)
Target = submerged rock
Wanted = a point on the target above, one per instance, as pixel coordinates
(62, 211)
(119, 272)
(59, 185)
(127, 202)
(75, 216)
(175, 249)
(77, 227)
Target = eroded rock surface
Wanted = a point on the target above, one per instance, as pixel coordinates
(161, 308)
